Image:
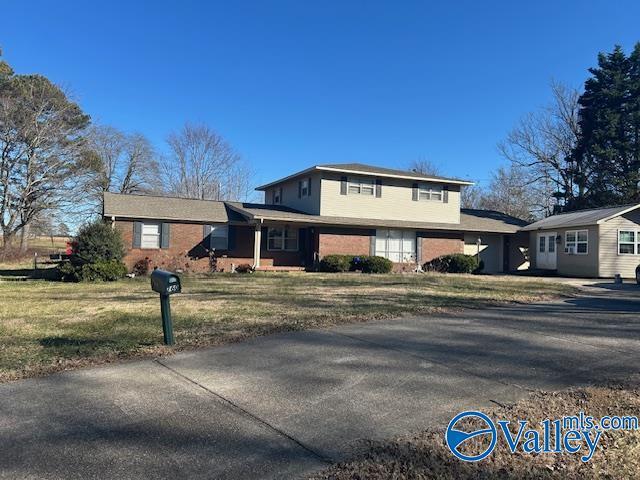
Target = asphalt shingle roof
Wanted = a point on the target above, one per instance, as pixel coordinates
(168, 208)
(578, 218)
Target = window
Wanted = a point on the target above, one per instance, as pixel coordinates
(220, 237)
(282, 238)
(150, 235)
(628, 242)
(304, 188)
(542, 241)
(577, 241)
(397, 245)
(361, 186)
(552, 244)
(277, 196)
(430, 192)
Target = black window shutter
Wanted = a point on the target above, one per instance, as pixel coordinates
(415, 192)
(309, 187)
(165, 235)
(378, 187)
(300, 189)
(445, 194)
(137, 234)
(206, 239)
(418, 249)
(273, 195)
(280, 196)
(231, 237)
(372, 242)
(302, 239)
(343, 185)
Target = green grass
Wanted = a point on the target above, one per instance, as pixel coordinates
(51, 326)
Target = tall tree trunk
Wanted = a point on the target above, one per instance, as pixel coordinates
(24, 238)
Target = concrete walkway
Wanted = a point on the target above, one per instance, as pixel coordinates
(285, 405)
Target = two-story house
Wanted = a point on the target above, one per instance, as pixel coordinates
(355, 209)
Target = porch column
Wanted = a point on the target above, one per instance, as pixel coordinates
(257, 241)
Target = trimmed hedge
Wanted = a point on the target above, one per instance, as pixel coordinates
(454, 263)
(336, 263)
(352, 263)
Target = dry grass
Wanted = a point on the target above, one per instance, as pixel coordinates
(51, 326)
(425, 456)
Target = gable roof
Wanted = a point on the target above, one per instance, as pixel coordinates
(486, 221)
(168, 208)
(362, 169)
(580, 218)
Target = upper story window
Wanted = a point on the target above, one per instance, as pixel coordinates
(577, 242)
(150, 237)
(628, 242)
(304, 188)
(361, 186)
(277, 196)
(430, 192)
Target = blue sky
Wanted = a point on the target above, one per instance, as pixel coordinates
(297, 83)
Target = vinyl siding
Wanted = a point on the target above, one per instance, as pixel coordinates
(491, 250)
(610, 261)
(309, 204)
(395, 203)
(570, 265)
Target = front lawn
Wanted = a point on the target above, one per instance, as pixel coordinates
(51, 326)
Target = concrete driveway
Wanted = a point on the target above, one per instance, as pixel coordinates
(284, 405)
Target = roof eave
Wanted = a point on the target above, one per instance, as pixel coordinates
(423, 178)
(627, 210)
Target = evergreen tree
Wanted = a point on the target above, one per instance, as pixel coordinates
(609, 127)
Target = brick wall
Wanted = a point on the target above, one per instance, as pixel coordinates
(344, 241)
(187, 252)
(435, 244)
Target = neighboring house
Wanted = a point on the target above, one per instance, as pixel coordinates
(598, 242)
(345, 209)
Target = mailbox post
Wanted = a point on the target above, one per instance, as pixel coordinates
(165, 283)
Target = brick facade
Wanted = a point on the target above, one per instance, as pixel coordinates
(344, 241)
(435, 244)
(187, 252)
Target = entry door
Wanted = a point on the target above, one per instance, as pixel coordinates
(547, 251)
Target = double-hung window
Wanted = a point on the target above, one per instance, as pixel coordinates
(577, 242)
(220, 237)
(361, 186)
(150, 237)
(628, 242)
(397, 245)
(430, 192)
(282, 238)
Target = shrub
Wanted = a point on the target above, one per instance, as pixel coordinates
(142, 266)
(104, 270)
(68, 272)
(97, 241)
(244, 268)
(454, 263)
(375, 264)
(336, 263)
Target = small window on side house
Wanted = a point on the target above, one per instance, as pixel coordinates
(627, 242)
(220, 237)
(361, 186)
(430, 192)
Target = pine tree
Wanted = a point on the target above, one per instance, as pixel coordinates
(609, 126)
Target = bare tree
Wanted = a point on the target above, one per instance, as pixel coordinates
(41, 142)
(424, 167)
(117, 162)
(542, 144)
(204, 165)
(510, 193)
(471, 196)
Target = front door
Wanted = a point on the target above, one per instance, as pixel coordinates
(547, 251)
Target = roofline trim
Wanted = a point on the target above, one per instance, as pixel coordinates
(626, 210)
(425, 178)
